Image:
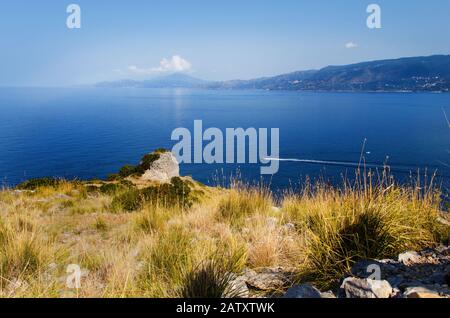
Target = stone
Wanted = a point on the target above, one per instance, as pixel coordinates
(366, 288)
(303, 291)
(409, 258)
(421, 292)
(266, 279)
(327, 294)
(238, 288)
(428, 268)
(163, 169)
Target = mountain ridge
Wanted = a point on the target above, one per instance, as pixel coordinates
(175, 80)
(421, 73)
(430, 73)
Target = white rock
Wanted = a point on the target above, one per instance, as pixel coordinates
(421, 292)
(163, 169)
(366, 288)
(408, 258)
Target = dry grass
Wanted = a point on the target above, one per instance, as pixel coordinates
(159, 251)
(242, 202)
(341, 227)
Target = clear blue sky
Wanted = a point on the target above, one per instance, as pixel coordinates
(219, 39)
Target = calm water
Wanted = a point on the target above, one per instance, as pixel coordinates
(89, 133)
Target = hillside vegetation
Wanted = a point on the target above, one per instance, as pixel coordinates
(186, 239)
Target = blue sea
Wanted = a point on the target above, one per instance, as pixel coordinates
(87, 133)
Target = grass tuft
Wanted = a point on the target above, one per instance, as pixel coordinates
(214, 278)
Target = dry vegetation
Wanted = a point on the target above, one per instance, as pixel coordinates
(155, 249)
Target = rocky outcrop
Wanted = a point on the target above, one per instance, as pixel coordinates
(163, 169)
(422, 274)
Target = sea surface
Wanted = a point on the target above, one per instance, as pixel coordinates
(89, 133)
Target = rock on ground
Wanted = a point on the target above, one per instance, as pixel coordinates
(353, 287)
(421, 292)
(163, 169)
(306, 291)
(424, 273)
(266, 279)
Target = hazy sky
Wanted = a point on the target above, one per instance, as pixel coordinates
(210, 39)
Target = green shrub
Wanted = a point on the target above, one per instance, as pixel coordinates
(110, 188)
(33, 184)
(161, 150)
(130, 200)
(92, 188)
(146, 162)
(127, 171)
(126, 184)
(113, 177)
(177, 193)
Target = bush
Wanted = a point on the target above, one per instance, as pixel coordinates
(146, 162)
(36, 183)
(110, 188)
(130, 200)
(177, 193)
(127, 171)
(113, 177)
(92, 188)
(161, 150)
(113, 188)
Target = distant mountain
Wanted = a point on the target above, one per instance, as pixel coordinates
(405, 74)
(177, 80)
(431, 73)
